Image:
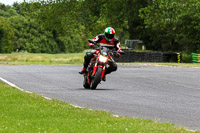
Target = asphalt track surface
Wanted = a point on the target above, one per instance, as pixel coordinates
(165, 94)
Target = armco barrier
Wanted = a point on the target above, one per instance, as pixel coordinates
(195, 58)
(131, 56)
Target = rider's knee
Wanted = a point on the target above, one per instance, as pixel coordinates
(114, 68)
(88, 56)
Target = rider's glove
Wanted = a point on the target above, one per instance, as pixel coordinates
(92, 46)
(117, 54)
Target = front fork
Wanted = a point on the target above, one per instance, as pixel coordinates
(95, 69)
(103, 72)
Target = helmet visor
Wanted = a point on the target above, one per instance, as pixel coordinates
(110, 36)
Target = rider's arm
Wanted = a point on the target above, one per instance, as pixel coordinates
(118, 47)
(97, 39)
(117, 44)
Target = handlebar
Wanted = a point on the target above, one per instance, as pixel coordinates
(121, 52)
(98, 47)
(91, 41)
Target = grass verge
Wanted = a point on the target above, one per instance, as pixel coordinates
(164, 64)
(32, 58)
(24, 112)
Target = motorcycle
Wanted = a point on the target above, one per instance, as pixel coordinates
(97, 66)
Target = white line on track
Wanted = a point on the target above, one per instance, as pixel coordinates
(13, 85)
(76, 106)
(9, 83)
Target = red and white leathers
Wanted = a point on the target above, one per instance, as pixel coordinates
(114, 43)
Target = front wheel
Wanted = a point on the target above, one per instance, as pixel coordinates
(97, 78)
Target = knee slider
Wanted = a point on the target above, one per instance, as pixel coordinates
(115, 68)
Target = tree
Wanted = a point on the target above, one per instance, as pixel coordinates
(60, 19)
(6, 36)
(174, 25)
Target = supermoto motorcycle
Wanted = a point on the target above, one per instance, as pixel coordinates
(97, 66)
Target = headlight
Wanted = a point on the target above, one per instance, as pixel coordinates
(103, 59)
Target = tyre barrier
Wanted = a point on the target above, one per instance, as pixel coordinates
(195, 58)
(131, 56)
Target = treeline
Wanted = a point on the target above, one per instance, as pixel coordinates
(62, 26)
(21, 30)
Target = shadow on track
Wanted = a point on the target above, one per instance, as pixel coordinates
(98, 89)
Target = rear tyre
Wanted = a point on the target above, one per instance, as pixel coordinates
(97, 78)
(85, 83)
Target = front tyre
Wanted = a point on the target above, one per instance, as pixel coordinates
(97, 78)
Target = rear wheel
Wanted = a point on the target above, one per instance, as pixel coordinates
(85, 83)
(97, 78)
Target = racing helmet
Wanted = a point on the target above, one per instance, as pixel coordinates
(109, 33)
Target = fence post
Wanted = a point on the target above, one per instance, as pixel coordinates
(179, 57)
(198, 58)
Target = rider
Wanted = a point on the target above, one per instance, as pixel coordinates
(106, 39)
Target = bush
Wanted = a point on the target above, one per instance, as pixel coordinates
(186, 58)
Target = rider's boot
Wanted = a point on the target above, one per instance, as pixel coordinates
(83, 71)
(87, 59)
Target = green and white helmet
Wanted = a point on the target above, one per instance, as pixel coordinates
(109, 33)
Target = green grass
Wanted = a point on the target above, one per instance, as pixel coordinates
(31, 58)
(164, 64)
(181, 64)
(23, 112)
